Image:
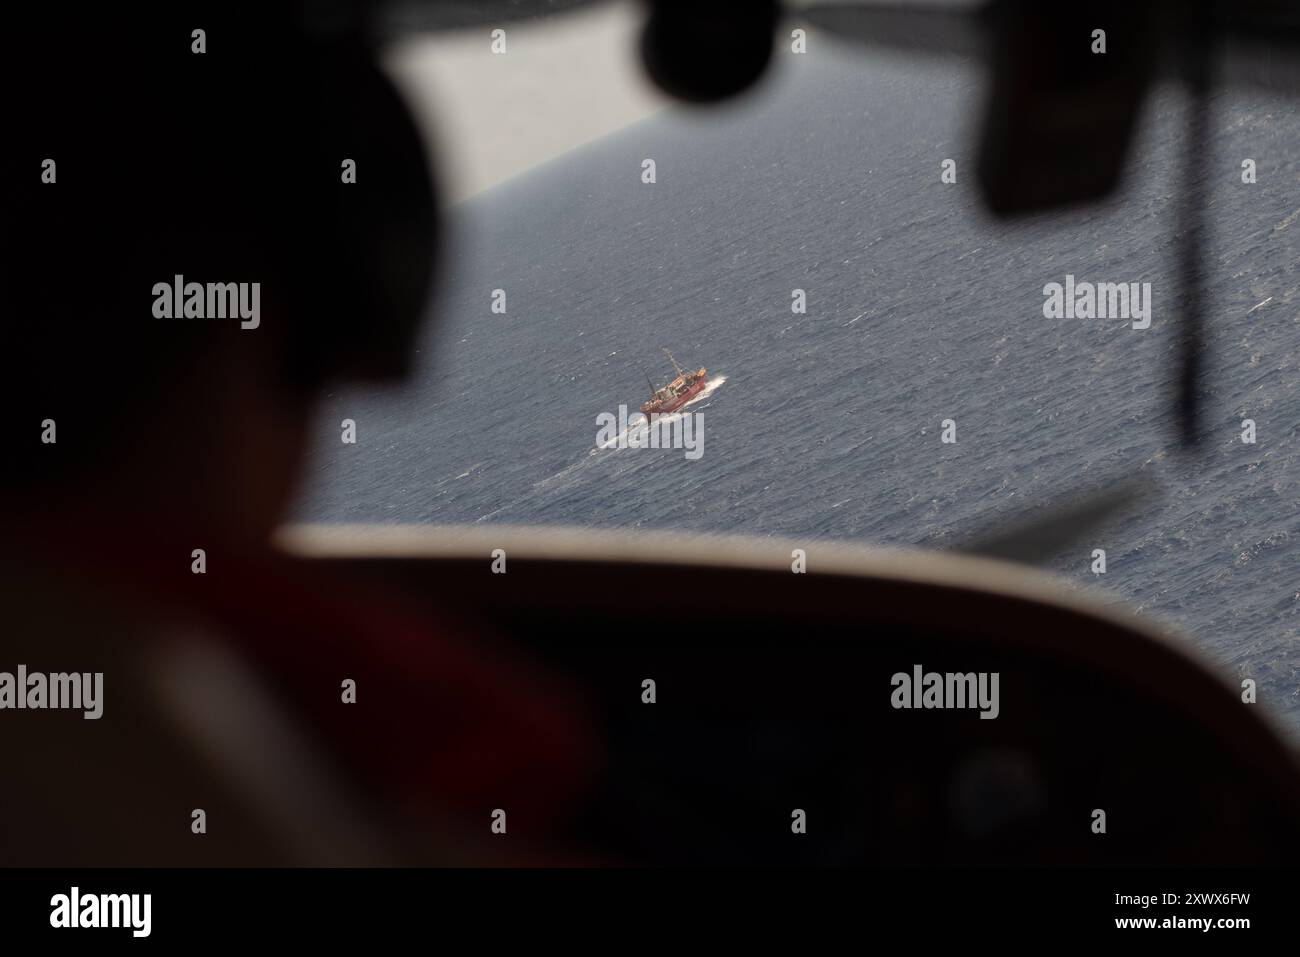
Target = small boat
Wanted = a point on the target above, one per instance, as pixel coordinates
(675, 394)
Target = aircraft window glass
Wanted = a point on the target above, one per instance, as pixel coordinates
(883, 362)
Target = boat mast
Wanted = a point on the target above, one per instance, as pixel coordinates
(676, 368)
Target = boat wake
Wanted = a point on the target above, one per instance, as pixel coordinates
(638, 424)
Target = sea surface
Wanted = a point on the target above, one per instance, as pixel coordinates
(920, 308)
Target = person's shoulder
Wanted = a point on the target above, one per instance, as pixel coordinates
(145, 741)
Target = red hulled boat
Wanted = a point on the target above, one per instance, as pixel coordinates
(677, 393)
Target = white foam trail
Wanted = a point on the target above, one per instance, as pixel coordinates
(637, 422)
(1287, 222)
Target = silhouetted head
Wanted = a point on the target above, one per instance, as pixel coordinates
(279, 175)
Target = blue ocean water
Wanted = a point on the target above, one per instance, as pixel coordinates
(920, 308)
